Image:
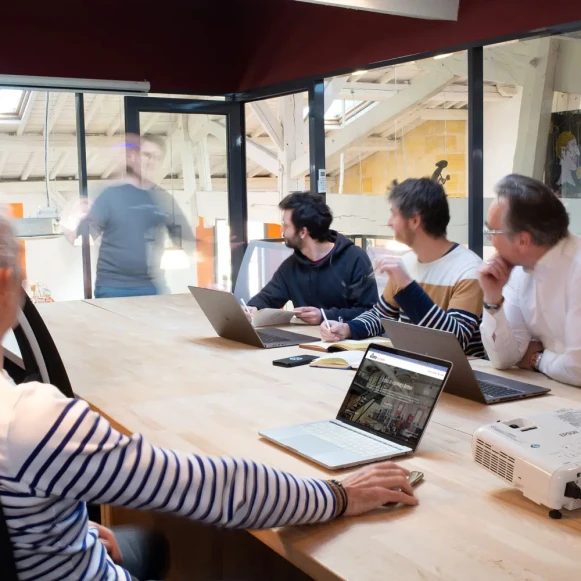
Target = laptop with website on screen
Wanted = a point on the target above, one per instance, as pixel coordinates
(229, 321)
(384, 414)
(464, 381)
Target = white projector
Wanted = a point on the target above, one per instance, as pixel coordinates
(540, 455)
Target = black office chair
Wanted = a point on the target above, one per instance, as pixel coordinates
(40, 359)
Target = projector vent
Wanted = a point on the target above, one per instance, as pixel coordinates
(495, 461)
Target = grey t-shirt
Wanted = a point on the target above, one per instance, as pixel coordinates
(129, 219)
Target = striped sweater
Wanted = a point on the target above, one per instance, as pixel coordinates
(56, 455)
(445, 294)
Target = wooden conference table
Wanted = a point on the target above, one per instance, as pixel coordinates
(154, 365)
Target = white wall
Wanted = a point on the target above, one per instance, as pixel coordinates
(500, 134)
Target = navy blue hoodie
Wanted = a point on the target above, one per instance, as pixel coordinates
(339, 283)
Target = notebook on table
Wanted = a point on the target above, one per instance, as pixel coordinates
(346, 345)
(344, 360)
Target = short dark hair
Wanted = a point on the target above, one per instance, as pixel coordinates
(309, 211)
(534, 208)
(427, 199)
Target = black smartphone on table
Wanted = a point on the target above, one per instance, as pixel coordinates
(295, 361)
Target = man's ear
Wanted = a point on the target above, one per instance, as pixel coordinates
(303, 233)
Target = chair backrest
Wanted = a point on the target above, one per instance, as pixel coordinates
(7, 562)
(261, 260)
(375, 252)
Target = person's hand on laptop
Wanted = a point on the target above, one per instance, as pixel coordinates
(336, 331)
(309, 315)
(376, 485)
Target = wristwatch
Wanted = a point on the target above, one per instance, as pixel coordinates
(535, 360)
(493, 307)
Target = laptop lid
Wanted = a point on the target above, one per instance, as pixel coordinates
(226, 315)
(463, 380)
(394, 393)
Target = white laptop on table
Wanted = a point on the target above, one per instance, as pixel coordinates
(384, 414)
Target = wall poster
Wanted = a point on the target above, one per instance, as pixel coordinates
(562, 168)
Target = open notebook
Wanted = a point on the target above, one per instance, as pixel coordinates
(344, 360)
(347, 345)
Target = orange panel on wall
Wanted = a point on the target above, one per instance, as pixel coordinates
(205, 254)
(17, 211)
(273, 231)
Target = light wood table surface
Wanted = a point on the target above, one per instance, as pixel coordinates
(155, 366)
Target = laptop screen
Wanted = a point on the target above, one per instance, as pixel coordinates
(393, 396)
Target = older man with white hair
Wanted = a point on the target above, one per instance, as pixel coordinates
(56, 455)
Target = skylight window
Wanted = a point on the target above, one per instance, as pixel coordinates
(334, 116)
(11, 103)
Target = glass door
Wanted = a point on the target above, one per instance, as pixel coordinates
(192, 153)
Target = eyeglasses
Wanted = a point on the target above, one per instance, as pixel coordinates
(490, 233)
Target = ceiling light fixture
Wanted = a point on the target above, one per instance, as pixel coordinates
(443, 56)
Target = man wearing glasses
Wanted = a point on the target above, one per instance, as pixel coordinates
(532, 320)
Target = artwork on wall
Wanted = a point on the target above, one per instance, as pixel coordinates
(437, 175)
(562, 168)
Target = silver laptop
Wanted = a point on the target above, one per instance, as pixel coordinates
(230, 322)
(464, 381)
(384, 414)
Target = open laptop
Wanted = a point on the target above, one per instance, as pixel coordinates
(465, 382)
(230, 322)
(385, 412)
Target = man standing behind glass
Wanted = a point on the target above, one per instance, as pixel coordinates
(130, 217)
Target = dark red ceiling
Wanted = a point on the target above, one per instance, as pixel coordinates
(219, 46)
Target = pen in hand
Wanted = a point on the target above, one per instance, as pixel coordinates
(326, 320)
(245, 307)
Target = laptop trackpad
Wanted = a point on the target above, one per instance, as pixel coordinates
(311, 445)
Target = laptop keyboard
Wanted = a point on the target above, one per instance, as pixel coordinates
(349, 440)
(494, 391)
(269, 338)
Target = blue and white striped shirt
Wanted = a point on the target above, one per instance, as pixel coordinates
(56, 455)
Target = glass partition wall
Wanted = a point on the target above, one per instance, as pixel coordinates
(392, 123)
(376, 125)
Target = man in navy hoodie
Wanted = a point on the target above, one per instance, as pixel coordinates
(326, 272)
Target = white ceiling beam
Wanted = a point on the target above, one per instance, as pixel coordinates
(204, 165)
(114, 125)
(111, 168)
(536, 107)
(262, 156)
(362, 91)
(268, 120)
(60, 164)
(188, 154)
(27, 111)
(508, 64)
(3, 159)
(424, 9)
(30, 165)
(294, 132)
(257, 170)
(387, 77)
(57, 109)
(333, 89)
(151, 121)
(94, 108)
(421, 90)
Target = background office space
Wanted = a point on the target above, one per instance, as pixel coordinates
(364, 128)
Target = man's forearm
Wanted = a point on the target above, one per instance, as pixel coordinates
(502, 347)
(102, 466)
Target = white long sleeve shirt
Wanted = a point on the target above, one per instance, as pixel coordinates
(545, 305)
(56, 455)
